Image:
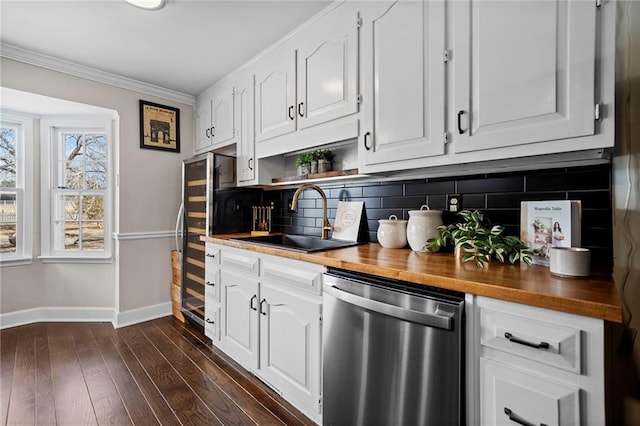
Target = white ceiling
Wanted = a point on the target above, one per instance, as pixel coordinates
(186, 46)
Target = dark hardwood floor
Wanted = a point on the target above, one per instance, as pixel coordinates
(158, 372)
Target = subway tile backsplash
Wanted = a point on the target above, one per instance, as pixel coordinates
(498, 195)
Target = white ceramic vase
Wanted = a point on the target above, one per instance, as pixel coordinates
(422, 226)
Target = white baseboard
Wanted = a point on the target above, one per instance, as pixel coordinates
(145, 313)
(117, 319)
(29, 316)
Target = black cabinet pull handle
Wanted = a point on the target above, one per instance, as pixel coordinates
(291, 114)
(517, 419)
(255, 297)
(460, 114)
(212, 129)
(261, 311)
(210, 283)
(300, 109)
(210, 321)
(210, 255)
(250, 161)
(366, 138)
(208, 133)
(541, 345)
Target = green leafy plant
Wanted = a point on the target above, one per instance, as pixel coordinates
(480, 240)
(303, 159)
(324, 154)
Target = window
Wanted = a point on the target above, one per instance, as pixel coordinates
(15, 189)
(78, 223)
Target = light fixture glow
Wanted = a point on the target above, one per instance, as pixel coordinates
(148, 4)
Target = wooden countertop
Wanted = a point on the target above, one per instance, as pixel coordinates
(595, 296)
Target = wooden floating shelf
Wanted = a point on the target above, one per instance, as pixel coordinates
(335, 174)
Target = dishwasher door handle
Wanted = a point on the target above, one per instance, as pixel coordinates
(432, 320)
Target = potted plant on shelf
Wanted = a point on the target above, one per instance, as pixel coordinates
(325, 158)
(479, 241)
(303, 163)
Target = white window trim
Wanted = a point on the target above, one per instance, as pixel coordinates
(24, 188)
(48, 126)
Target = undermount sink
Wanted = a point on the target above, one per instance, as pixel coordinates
(303, 243)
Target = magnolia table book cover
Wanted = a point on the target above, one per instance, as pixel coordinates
(546, 224)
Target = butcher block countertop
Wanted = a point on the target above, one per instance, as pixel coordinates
(595, 296)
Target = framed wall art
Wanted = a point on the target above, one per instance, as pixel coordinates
(159, 127)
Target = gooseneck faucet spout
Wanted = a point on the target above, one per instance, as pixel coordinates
(326, 226)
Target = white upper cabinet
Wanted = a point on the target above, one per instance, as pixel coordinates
(215, 117)
(246, 163)
(222, 115)
(203, 123)
(403, 73)
(328, 69)
(275, 86)
(524, 72)
(308, 81)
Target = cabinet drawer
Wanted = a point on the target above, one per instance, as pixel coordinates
(240, 261)
(211, 255)
(211, 319)
(302, 276)
(212, 284)
(512, 396)
(532, 338)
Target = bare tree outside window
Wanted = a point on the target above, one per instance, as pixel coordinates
(8, 173)
(80, 196)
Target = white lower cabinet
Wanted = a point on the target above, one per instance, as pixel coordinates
(290, 344)
(513, 396)
(270, 317)
(536, 366)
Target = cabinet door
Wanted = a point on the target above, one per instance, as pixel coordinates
(222, 115)
(510, 396)
(328, 69)
(244, 123)
(290, 343)
(275, 94)
(203, 124)
(403, 76)
(240, 318)
(523, 72)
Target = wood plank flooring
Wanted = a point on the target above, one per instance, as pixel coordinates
(161, 372)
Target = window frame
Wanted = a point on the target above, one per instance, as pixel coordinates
(24, 188)
(50, 128)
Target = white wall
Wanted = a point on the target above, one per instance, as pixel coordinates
(146, 202)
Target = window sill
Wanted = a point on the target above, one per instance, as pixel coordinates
(60, 259)
(16, 262)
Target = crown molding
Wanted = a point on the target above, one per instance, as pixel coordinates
(54, 64)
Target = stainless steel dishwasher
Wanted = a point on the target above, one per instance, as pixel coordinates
(392, 352)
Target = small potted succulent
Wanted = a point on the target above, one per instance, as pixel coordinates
(477, 241)
(303, 163)
(325, 158)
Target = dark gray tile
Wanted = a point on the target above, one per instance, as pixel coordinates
(375, 214)
(437, 202)
(429, 188)
(592, 199)
(510, 201)
(303, 221)
(403, 202)
(345, 194)
(473, 201)
(497, 184)
(382, 191)
(597, 178)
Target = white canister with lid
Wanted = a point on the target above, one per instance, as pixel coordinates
(422, 226)
(392, 232)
